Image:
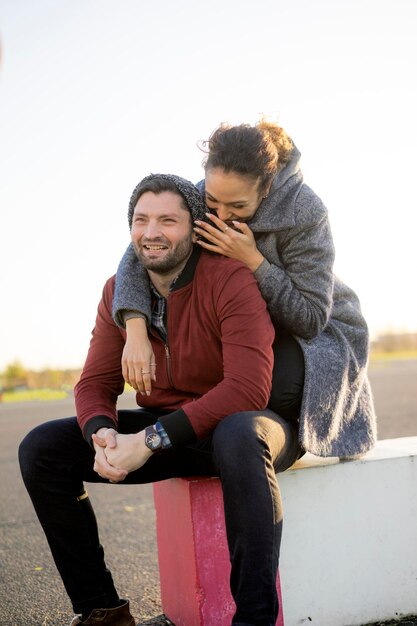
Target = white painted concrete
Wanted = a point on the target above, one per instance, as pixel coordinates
(349, 549)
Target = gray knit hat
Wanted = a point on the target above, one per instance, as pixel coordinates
(193, 198)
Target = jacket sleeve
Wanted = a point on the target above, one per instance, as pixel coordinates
(247, 335)
(132, 288)
(299, 289)
(101, 380)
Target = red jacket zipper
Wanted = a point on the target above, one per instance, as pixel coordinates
(168, 359)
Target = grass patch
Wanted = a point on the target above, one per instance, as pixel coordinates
(34, 394)
(396, 355)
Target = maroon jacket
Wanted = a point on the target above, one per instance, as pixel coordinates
(217, 361)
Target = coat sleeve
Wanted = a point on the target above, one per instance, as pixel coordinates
(299, 289)
(101, 380)
(132, 288)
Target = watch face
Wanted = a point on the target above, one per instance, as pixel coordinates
(153, 440)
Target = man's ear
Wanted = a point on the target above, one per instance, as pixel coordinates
(194, 237)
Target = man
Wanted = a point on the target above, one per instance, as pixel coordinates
(211, 336)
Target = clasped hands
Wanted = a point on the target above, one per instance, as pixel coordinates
(117, 455)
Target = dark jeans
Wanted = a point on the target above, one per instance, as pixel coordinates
(245, 451)
(287, 378)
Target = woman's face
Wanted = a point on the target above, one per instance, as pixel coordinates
(231, 196)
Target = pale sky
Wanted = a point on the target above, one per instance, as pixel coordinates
(96, 94)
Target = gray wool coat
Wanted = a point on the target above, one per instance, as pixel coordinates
(292, 231)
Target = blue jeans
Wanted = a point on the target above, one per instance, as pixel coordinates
(245, 451)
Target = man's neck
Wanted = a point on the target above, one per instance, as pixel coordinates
(162, 282)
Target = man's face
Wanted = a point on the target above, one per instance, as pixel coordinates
(162, 232)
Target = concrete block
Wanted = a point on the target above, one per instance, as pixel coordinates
(349, 547)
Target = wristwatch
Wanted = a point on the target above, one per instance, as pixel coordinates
(153, 440)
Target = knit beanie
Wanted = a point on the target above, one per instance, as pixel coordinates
(193, 198)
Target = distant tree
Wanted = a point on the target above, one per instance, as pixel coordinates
(15, 375)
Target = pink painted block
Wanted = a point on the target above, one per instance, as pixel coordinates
(194, 563)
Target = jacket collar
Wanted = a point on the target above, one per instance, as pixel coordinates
(188, 272)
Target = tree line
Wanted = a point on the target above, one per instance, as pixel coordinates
(395, 342)
(17, 376)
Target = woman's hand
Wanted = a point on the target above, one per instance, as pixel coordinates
(236, 244)
(138, 359)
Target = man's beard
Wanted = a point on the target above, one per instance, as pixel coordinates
(174, 257)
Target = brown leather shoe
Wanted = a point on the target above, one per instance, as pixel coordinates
(120, 616)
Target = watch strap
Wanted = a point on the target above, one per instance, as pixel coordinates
(166, 441)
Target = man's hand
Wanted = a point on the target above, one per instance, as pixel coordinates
(102, 439)
(130, 453)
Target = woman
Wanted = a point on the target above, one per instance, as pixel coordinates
(263, 214)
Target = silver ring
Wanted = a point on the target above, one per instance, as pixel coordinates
(227, 228)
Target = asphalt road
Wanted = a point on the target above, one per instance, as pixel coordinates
(31, 592)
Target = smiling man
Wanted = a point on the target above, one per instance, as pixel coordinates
(205, 414)
(161, 234)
